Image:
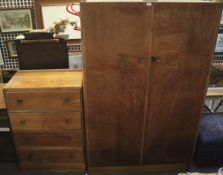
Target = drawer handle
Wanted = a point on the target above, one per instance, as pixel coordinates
(70, 139)
(22, 122)
(67, 101)
(155, 59)
(19, 101)
(29, 156)
(141, 60)
(68, 121)
(71, 156)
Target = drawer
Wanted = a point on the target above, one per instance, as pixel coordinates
(41, 139)
(45, 121)
(28, 101)
(60, 167)
(50, 155)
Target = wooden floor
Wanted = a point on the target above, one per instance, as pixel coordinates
(13, 169)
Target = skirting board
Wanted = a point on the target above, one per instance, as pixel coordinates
(181, 167)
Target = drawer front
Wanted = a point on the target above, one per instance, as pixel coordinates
(48, 166)
(45, 121)
(28, 101)
(41, 139)
(50, 155)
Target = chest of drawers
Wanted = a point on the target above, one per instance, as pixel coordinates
(45, 112)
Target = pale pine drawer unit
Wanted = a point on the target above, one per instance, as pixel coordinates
(45, 112)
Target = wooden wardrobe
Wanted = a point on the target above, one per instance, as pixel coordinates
(146, 67)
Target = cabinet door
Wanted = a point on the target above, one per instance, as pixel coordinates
(183, 41)
(116, 48)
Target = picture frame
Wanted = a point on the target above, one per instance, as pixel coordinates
(38, 4)
(1, 58)
(11, 48)
(49, 18)
(15, 20)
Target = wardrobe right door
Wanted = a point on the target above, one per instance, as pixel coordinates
(183, 41)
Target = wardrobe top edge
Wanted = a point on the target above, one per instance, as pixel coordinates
(153, 1)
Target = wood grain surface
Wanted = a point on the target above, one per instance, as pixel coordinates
(116, 59)
(45, 79)
(60, 155)
(43, 100)
(58, 167)
(146, 68)
(177, 84)
(51, 139)
(45, 121)
(45, 112)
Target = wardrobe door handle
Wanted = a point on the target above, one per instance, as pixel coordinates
(141, 60)
(19, 101)
(155, 59)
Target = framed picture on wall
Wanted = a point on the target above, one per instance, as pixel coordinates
(1, 58)
(15, 20)
(49, 18)
(57, 9)
(11, 47)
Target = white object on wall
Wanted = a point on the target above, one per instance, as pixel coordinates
(53, 13)
(1, 59)
(75, 61)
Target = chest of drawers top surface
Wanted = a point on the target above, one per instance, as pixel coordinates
(45, 80)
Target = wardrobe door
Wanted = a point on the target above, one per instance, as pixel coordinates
(116, 51)
(183, 41)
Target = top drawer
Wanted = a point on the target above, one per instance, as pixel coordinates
(46, 100)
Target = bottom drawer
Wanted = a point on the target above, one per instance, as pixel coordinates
(60, 167)
(55, 155)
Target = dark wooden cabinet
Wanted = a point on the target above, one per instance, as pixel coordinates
(146, 67)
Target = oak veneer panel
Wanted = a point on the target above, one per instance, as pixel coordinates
(40, 100)
(50, 155)
(60, 167)
(142, 169)
(184, 37)
(45, 115)
(2, 99)
(41, 139)
(45, 79)
(145, 74)
(45, 121)
(116, 58)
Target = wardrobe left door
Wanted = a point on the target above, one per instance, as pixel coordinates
(116, 51)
